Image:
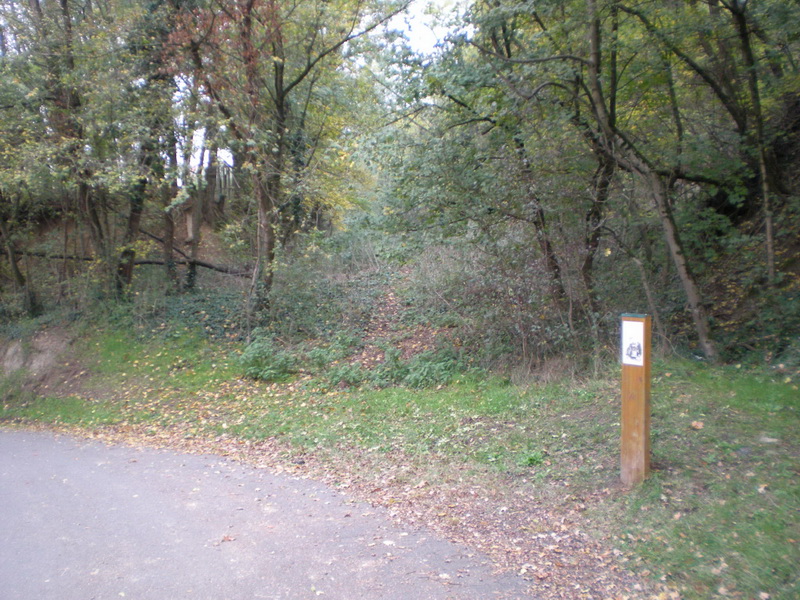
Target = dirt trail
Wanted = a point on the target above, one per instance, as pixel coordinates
(386, 326)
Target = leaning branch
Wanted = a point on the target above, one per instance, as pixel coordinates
(188, 261)
(529, 61)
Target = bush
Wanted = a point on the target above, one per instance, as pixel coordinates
(501, 310)
(316, 295)
(435, 367)
(264, 359)
(347, 374)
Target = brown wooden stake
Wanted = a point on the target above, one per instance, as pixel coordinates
(635, 351)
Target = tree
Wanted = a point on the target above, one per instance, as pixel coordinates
(667, 101)
(575, 62)
(266, 67)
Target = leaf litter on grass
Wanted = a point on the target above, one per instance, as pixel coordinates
(527, 477)
(308, 430)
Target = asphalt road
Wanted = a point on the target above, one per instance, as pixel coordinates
(81, 520)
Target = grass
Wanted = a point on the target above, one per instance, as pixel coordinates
(718, 518)
(721, 515)
(71, 410)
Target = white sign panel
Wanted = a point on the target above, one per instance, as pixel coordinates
(633, 343)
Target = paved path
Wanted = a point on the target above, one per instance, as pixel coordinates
(82, 520)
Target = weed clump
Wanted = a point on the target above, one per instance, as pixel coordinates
(263, 359)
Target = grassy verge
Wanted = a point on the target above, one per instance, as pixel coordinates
(722, 512)
(719, 517)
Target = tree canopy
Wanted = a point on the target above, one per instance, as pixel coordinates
(563, 161)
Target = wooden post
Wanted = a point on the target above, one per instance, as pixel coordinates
(635, 352)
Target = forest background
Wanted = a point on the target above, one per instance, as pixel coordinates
(546, 168)
(298, 185)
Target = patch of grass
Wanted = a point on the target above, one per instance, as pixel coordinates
(718, 518)
(71, 410)
(186, 361)
(13, 390)
(720, 515)
(21, 404)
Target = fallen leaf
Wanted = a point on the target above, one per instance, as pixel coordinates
(697, 425)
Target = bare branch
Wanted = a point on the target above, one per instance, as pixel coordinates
(529, 61)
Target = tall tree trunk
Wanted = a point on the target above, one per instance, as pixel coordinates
(169, 191)
(168, 221)
(211, 202)
(738, 11)
(128, 254)
(263, 273)
(660, 196)
(603, 175)
(87, 205)
(627, 156)
(539, 221)
(556, 282)
(594, 220)
(29, 301)
(195, 220)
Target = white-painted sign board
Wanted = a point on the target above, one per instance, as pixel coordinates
(632, 345)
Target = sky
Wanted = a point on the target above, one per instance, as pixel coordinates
(420, 25)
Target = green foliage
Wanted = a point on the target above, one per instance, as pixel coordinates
(317, 295)
(215, 313)
(346, 374)
(71, 410)
(424, 370)
(498, 307)
(264, 359)
(737, 459)
(431, 368)
(533, 459)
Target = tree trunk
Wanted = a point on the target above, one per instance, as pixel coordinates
(699, 316)
(128, 254)
(195, 221)
(556, 283)
(763, 164)
(263, 273)
(29, 301)
(211, 202)
(557, 290)
(594, 219)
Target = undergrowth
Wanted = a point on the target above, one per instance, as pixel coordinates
(264, 359)
(718, 518)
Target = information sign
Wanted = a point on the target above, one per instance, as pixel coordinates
(635, 434)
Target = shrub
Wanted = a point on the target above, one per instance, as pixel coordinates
(347, 374)
(264, 359)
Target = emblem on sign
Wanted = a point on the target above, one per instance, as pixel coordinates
(634, 351)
